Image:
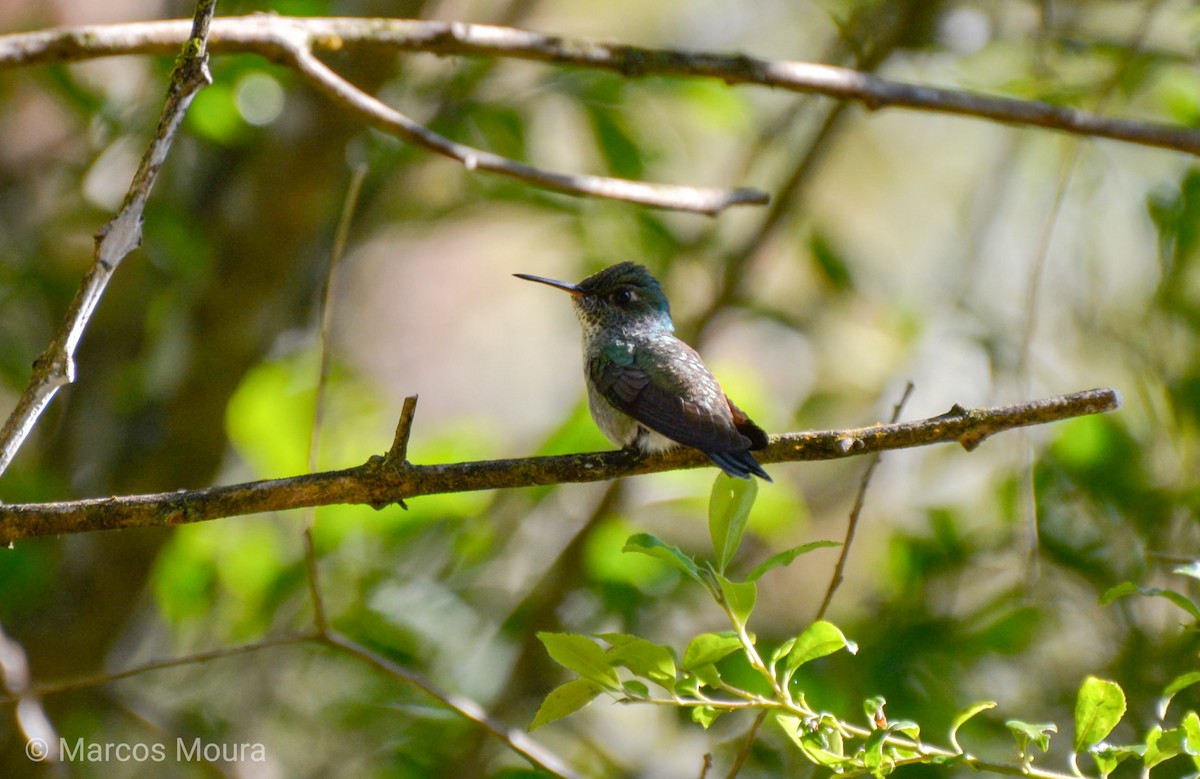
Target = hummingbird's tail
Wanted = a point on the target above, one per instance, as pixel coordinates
(738, 463)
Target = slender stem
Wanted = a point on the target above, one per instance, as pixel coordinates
(744, 753)
(517, 740)
(859, 500)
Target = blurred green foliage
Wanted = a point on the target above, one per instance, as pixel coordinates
(902, 246)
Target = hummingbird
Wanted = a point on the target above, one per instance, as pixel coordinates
(647, 390)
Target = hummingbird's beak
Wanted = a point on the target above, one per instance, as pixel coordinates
(563, 285)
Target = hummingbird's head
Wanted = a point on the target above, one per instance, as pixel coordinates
(624, 294)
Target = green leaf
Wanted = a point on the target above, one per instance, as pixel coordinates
(644, 658)
(818, 640)
(1129, 588)
(1036, 733)
(728, 511)
(739, 596)
(790, 725)
(872, 752)
(708, 648)
(706, 715)
(824, 747)
(565, 699)
(708, 675)
(1177, 684)
(1162, 745)
(780, 651)
(646, 544)
(786, 557)
(1191, 727)
(873, 709)
(961, 718)
(582, 655)
(635, 689)
(1109, 757)
(688, 686)
(1098, 708)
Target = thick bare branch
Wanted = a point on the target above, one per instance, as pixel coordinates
(380, 482)
(275, 36)
(55, 368)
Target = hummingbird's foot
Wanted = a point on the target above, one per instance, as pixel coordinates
(631, 452)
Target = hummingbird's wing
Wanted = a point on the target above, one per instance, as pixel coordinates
(745, 425)
(669, 389)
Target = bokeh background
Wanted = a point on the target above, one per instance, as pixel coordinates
(986, 264)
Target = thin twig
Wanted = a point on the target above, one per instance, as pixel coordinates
(325, 335)
(701, 200)
(338, 250)
(747, 743)
(55, 368)
(270, 36)
(859, 499)
(41, 738)
(377, 483)
(81, 683)
(1028, 490)
(398, 454)
(516, 740)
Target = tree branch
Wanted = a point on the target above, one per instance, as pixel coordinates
(55, 368)
(292, 42)
(276, 37)
(516, 740)
(380, 482)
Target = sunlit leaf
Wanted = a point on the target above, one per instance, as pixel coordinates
(1027, 733)
(1109, 757)
(818, 640)
(565, 699)
(646, 544)
(706, 715)
(728, 511)
(1098, 708)
(872, 751)
(581, 655)
(708, 648)
(1129, 588)
(873, 709)
(739, 596)
(963, 716)
(1177, 684)
(644, 658)
(1162, 745)
(786, 557)
(635, 689)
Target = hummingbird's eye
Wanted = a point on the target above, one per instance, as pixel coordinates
(624, 296)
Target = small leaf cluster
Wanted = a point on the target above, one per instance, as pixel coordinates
(631, 669)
